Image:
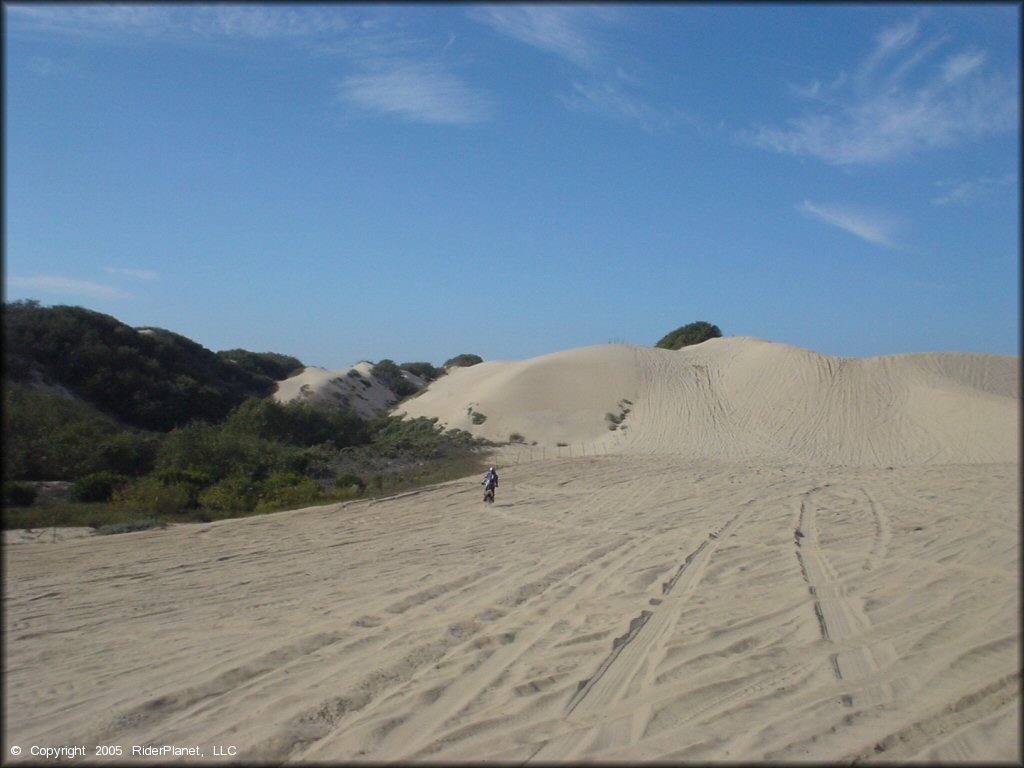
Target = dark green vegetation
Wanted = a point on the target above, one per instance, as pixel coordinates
(694, 333)
(463, 361)
(270, 364)
(390, 374)
(87, 401)
(145, 378)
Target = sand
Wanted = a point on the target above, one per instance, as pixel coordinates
(716, 582)
(355, 388)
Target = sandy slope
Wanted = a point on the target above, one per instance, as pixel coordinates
(743, 398)
(772, 599)
(354, 387)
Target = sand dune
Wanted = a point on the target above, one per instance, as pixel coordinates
(354, 387)
(716, 582)
(743, 398)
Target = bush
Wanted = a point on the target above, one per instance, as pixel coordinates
(232, 494)
(286, 489)
(296, 424)
(694, 333)
(404, 387)
(19, 494)
(270, 364)
(99, 486)
(48, 436)
(151, 495)
(219, 453)
(127, 453)
(350, 480)
(423, 370)
(387, 372)
(463, 361)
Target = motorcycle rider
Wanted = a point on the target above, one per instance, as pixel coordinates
(490, 480)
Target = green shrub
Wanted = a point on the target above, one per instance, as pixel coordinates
(151, 495)
(287, 489)
(478, 418)
(390, 375)
(296, 424)
(423, 370)
(19, 494)
(684, 336)
(99, 486)
(232, 494)
(270, 364)
(387, 372)
(350, 480)
(404, 387)
(463, 361)
(48, 436)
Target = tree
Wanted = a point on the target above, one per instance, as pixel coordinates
(694, 333)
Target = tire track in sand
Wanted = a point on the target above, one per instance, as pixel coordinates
(629, 660)
(841, 620)
(412, 736)
(415, 736)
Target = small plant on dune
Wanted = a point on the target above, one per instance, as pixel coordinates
(616, 420)
(478, 418)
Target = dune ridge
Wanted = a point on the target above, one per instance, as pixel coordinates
(744, 398)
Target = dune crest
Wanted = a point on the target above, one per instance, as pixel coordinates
(742, 398)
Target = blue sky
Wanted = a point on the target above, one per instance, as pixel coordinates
(345, 182)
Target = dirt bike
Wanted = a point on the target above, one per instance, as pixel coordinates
(489, 494)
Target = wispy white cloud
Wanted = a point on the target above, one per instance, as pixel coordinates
(389, 70)
(130, 21)
(560, 30)
(265, 22)
(962, 65)
(965, 192)
(576, 34)
(91, 20)
(609, 98)
(417, 92)
(142, 275)
(899, 101)
(875, 228)
(67, 286)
